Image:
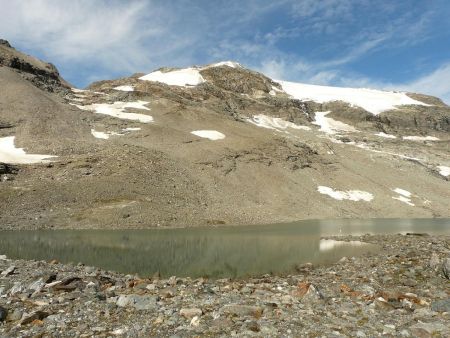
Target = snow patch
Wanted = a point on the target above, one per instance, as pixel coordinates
(131, 129)
(444, 171)
(124, 88)
(331, 126)
(117, 109)
(404, 200)
(402, 192)
(373, 101)
(420, 138)
(403, 196)
(276, 123)
(76, 90)
(103, 135)
(231, 64)
(351, 195)
(381, 134)
(209, 134)
(10, 154)
(180, 77)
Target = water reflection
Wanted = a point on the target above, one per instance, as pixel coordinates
(230, 252)
(215, 252)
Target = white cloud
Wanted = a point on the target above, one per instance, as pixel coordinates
(436, 83)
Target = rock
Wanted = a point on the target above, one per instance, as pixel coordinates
(137, 301)
(37, 315)
(428, 329)
(8, 271)
(434, 261)
(441, 305)
(3, 314)
(242, 310)
(190, 312)
(308, 292)
(446, 268)
(195, 321)
(15, 315)
(37, 285)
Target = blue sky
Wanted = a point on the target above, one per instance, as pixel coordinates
(398, 44)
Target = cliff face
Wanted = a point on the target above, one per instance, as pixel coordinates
(217, 144)
(41, 74)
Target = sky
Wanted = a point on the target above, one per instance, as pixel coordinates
(385, 44)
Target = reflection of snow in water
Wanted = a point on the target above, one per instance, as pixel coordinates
(330, 244)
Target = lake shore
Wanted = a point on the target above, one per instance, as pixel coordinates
(403, 290)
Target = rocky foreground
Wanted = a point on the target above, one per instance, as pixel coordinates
(402, 291)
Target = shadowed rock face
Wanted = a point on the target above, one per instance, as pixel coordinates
(43, 75)
(160, 174)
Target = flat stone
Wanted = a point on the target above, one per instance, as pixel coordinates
(137, 301)
(242, 310)
(441, 305)
(8, 271)
(427, 329)
(15, 315)
(190, 312)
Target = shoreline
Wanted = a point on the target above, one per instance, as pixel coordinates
(220, 225)
(400, 291)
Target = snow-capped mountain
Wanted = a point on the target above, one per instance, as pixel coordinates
(212, 144)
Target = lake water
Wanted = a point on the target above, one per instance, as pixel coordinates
(213, 251)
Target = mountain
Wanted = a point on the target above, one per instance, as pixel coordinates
(214, 144)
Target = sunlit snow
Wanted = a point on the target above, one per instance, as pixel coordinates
(420, 138)
(124, 88)
(444, 171)
(231, 64)
(352, 195)
(118, 110)
(10, 154)
(329, 125)
(381, 134)
(374, 101)
(403, 196)
(209, 134)
(404, 200)
(402, 192)
(103, 135)
(277, 123)
(179, 77)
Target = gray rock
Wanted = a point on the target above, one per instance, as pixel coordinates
(446, 268)
(3, 313)
(37, 285)
(8, 271)
(15, 315)
(137, 301)
(427, 329)
(190, 312)
(242, 310)
(441, 305)
(434, 261)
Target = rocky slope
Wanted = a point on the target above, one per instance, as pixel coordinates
(218, 144)
(402, 291)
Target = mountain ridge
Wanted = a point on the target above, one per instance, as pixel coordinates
(231, 148)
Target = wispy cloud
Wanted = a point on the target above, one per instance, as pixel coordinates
(302, 40)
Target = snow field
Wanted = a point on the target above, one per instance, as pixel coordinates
(212, 135)
(351, 195)
(10, 154)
